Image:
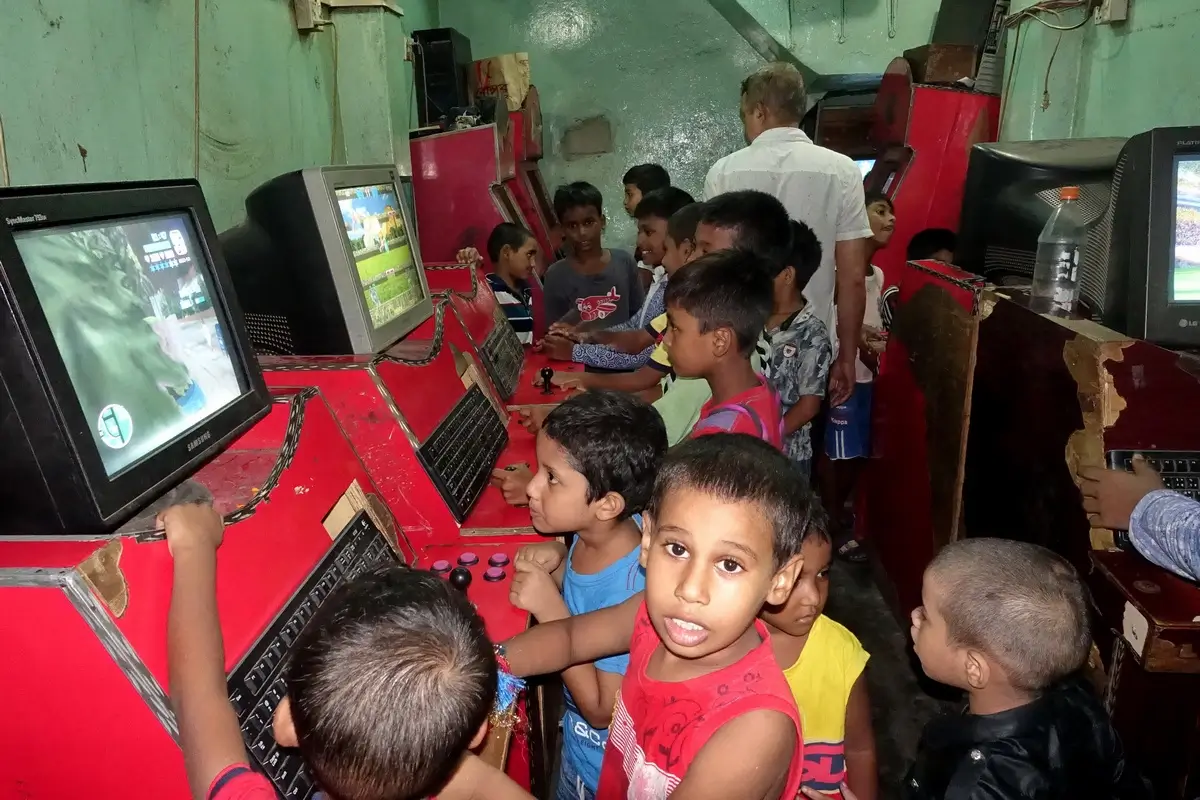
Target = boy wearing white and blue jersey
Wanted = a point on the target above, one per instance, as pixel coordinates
(597, 457)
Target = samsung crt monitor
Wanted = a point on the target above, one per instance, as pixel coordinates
(328, 262)
(124, 366)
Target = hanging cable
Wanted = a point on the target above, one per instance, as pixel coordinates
(1038, 13)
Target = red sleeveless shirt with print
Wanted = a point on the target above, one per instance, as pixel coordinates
(658, 728)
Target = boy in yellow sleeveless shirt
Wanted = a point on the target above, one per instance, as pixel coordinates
(823, 663)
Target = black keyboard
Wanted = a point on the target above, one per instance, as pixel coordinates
(1180, 469)
(463, 449)
(503, 357)
(256, 684)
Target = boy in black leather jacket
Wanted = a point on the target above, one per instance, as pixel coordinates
(1007, 622)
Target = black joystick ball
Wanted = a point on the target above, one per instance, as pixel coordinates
(547, 375)
(460, 578)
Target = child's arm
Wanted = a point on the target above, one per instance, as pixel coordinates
(575, 640)
(630, 342)
(208, 728)
(802, 413)
(475, 779)
(638, 381)
(747, 758)
(594, 691)
(862, 774)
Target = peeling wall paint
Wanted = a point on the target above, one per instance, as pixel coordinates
(117, 79)
(1107, 80)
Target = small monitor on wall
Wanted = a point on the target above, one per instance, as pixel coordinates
(122, 352)
(328, 262)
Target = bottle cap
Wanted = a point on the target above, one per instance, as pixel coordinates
(1068, 193)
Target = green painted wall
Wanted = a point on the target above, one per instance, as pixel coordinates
(665, 73)
(873, 35)
(1107, 80)
(118, 79)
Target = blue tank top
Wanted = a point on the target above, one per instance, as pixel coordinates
(583, 745)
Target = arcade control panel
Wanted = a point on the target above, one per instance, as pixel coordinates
(256, 684)
(484, 571)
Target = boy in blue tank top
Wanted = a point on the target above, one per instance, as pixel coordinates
(598, 454)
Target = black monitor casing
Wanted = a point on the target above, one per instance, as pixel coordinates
(295, 273)
(52, 479)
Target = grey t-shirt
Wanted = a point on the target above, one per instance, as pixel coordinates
(612, 295)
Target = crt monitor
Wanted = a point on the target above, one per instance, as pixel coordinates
(865, 165)
(1145, 278)
(124, 366)
(1012, 189)
(327, 262)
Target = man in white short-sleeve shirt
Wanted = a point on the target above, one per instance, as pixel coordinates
(818, 187)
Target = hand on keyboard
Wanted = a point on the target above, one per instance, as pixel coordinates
(1110, 495)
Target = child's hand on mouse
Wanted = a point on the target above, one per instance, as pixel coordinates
(512, 483)
(192, 528)
(469, 256)
(534, 590)
(549, 556)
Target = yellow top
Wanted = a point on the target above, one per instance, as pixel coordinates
(821, 680)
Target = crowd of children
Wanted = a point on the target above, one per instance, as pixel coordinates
(686, 617)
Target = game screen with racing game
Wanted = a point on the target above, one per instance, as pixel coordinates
(129, 306)
(1185, 275)
(383, 256)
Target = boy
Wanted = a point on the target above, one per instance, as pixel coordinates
(513, 253)
(848, 429)
(703, 712)
(642, 180)
(747, 220)
(390, 684)
(717, 307)
(598, 454)
(593, 285)
(936, 244)
(1007, 622)
(823, 663)
(603, 349)
(800, 350)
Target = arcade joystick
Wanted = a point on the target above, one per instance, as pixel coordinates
(547, 375)
(460, 578)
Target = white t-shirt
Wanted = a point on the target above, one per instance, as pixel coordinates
(817, 186)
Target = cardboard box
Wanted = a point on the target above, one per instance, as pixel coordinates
(506, 73)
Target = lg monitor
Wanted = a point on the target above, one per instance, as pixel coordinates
(327, 262)
(1140, 269)
(124, 366)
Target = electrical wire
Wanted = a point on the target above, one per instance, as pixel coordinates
(1036, 13)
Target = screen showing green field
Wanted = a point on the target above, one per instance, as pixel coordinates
(383, 256)
(1185, 277)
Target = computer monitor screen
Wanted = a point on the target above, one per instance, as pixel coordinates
(374, 223)
(1185, 274)
(865, 165)
(128, 303)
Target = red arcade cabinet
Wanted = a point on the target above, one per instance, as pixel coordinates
(923, 135)
(529, 187)
(127, 369)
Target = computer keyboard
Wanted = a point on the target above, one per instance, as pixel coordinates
(256, 684)
(1180, 469)
(503, 357)
(463, 449)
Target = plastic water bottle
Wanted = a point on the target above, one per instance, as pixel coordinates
(1056, 271)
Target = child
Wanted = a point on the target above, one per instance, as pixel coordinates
(703, 712)
(931, 244)
(513, 253)
(848, 429)
(717, 307)
(800, 350)
(1007, 622)
(603, 349)
(642, 180)
(747, 220)
(823, 663)
(598, 454)
(592, 285)
(390, 684)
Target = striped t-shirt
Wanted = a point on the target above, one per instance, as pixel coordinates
(516, 305)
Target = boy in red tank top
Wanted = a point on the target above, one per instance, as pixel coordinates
(704, 712)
